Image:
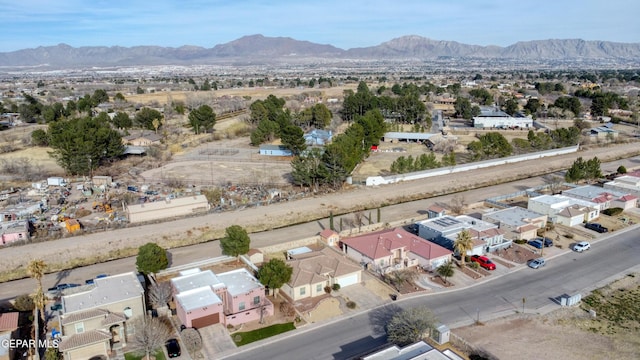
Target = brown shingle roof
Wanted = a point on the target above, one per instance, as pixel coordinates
(83, 339)
(83, 315)
(319, 267)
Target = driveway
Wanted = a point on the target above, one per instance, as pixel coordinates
(215, 340)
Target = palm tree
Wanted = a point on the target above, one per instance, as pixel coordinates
(445, 270)
(463, 244)
(36, 269)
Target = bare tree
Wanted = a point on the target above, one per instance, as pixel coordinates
(554, 183)
(458, 204)
(192, 340)
(160, 294)
(150, 334)
(410, 325)
(357, 218)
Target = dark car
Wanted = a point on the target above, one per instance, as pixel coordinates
(536, 243)
(56, 307)
(596, 227)
(547, 241)
(173, 348)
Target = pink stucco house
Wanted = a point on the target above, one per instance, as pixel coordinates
(203, 298)
(13, 231)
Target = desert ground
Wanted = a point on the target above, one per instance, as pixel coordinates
(568, 333)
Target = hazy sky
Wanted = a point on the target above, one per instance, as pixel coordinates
(342, 23)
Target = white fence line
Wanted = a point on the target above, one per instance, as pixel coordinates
(383, 180)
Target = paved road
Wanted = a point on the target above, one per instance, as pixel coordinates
(569, 273)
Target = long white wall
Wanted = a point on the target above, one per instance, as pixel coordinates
(383, 180)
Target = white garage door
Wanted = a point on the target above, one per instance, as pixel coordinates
(348, 280)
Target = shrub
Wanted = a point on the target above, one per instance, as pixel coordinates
(351, 304)
(520, 241)
(287, 309)
(24, 302)
(474, 265)
(327, 289)
(336, 287)
(612, 211)
(622, 169)
(569, 236)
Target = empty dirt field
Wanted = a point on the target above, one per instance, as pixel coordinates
(568, 333)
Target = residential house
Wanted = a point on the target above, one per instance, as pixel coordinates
(313, 271)
(203, 298)
(318, 137)
(602, 197)
(494, 118)
(517, 223)
(551, 205)
(417, 351)
(12, 231)
(142, 138)
(330, 237)
(8, 330)
(444, 231)
(627, 183)
(390, 250)
(572, 215)
(94, 319)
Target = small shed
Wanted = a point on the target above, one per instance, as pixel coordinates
(102, 180)
(72, 225)
(275, 150)
(330, 237)
(255, 256)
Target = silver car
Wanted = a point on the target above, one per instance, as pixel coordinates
(537, 263)
(582, 246)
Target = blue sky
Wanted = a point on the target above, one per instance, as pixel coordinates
(342, 23)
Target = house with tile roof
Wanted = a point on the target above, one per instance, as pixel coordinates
(552, 205)
(604, 198)
(203, 298)
(313, 271)
(94, 319)
(397, 249)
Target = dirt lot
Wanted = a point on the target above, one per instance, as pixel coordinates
(568, 333)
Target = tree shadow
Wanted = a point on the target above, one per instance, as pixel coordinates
(61, 275)
(380, 317)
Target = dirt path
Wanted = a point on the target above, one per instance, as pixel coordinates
(101, 246)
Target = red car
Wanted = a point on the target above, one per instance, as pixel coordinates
(484, 262)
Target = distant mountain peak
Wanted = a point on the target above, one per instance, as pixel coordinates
(258, 48)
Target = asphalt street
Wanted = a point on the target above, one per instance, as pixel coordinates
(567, 274)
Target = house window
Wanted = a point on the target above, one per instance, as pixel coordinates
(79, 328)
(256, 300)
(303, 291)
(241, 306)
(319, 288)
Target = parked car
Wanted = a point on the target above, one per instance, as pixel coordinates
(56, 307)
(173, 348)
(537, 263)
(582, 246)
(547, 241)
(536, 243)
(596, 227)
(484, 262)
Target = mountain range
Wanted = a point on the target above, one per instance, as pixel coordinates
(259, 49)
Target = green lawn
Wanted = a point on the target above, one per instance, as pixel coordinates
(243, 338)
(132, 356)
